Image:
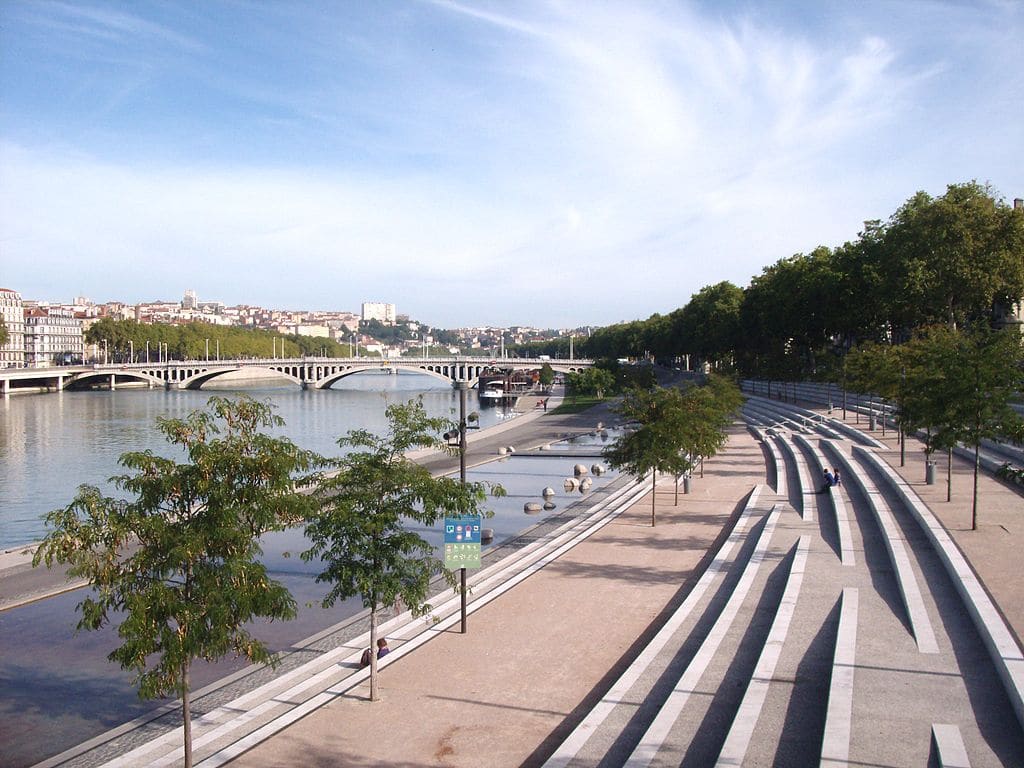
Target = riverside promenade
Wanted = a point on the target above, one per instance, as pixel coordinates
(542, 654)
(536, 661)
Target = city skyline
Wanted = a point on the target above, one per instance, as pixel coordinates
(480, 163)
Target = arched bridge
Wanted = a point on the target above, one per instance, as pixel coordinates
(307, 372)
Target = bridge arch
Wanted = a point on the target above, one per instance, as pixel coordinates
(85, 379)
(195, 380)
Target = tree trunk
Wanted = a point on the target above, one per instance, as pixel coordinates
(676, 503)
(374, 695)
(186, 716)
(654, 487)
(974, 504)
(949, 474)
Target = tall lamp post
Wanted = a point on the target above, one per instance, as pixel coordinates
(463, 387)
(131, 351)
(207, 350)
(147, 351)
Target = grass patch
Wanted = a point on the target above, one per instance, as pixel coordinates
(577, 404)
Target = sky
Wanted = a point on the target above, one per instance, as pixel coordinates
(555, 163)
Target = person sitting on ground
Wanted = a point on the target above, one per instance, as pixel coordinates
(829, 481)
(382, 651)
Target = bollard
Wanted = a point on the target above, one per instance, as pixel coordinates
(929, 472)
(686, 484)
(871, 421)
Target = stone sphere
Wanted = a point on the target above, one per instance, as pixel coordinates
(579, 469)
(597, 469)
(571, 484)
(531, 507)
(547, 492)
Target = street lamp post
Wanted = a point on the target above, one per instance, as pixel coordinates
(207, 350)
(218, 350)
(131, 351)
(147, 351)
(104, 351)
(463, 386)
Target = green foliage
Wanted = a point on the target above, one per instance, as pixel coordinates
(675, 428)
(547, 375)
(5, 335)
(188, 341)
(180, 556)
(360, 531)
(590, 381)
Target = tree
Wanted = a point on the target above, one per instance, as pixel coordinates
(4, 333)
(547, 375)
(708, 327)
(359, 530)
(180, 557)
(981, 370)
(949, 259)
(591, 381)
(675, 429)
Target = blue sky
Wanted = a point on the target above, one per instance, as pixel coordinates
(552, 163)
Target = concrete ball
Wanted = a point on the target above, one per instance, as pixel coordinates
(549, 505)
(486, 535)
(547, 492)
(531, 507)
(586, 483)
(597, 469)
(571, 484)
(579, 469)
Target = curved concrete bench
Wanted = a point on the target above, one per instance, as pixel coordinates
(1002, 648)
(835, 744)
(806, 486)
(892, 536)
(846, 555)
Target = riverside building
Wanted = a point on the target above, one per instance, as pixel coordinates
(12, 354)
(52, 337)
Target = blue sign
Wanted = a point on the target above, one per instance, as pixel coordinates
(462, 542)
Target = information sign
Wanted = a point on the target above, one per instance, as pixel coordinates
(462, 542)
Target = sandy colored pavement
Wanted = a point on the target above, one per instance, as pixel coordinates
(533, 660)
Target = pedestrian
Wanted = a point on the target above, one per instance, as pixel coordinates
(382, 651)
(827, 480)
(836, 481)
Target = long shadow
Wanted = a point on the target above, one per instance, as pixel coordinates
(547, 747)
(876, 554)
(828, 524)
(803, 726)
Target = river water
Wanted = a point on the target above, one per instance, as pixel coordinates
(57, 688)
(52, 443)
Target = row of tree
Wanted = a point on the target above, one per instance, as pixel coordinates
(953, 385)
(177, 562)
(953, 259)
(196, 340)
